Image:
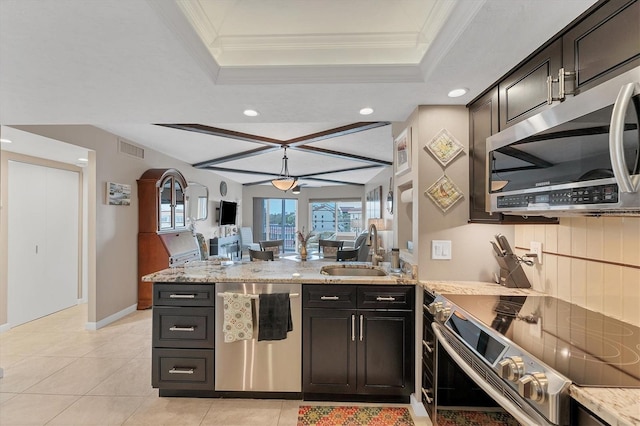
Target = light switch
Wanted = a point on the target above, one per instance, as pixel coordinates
(441, 249)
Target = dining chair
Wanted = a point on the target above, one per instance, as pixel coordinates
(275, 246)
(361, 245)
(347, 255)
(329, 248)
(246, 239)
(259, 255)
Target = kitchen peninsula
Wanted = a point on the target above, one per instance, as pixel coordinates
(346, 321)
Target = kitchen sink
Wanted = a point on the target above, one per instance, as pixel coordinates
(353, 271)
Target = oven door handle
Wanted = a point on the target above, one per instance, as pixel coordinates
(525, 418)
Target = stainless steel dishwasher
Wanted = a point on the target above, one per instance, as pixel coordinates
(265, 366)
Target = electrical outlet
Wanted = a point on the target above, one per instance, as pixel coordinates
(536, 248)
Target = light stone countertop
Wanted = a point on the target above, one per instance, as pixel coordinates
(617, 406)
(284, 270)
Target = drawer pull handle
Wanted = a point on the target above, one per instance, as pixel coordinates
(427, 398)
(427, 346)
(182, 296)
(178, 370)
(386, 299)
(330, 298)
(176, 328)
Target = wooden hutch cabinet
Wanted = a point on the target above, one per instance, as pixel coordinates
(161, 204)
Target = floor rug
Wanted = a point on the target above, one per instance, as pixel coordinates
(474, 418)
(353, 416)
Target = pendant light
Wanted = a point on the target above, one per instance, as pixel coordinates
(284, 181)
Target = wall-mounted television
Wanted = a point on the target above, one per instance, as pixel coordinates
(228, 211)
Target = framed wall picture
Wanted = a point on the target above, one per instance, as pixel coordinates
(402, 152)
(118, 194)
(374, 203)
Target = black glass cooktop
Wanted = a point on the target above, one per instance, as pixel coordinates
(589, 348)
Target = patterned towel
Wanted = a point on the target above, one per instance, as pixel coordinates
(238, 322)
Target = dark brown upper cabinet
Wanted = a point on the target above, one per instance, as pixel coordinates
(523, 93)
(604, 44)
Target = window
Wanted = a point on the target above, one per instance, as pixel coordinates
(336, 218)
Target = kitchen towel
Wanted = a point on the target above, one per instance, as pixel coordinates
(238, 320)
(274, 318)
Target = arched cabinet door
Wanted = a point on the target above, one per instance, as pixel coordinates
(172, 204)
(161, 200)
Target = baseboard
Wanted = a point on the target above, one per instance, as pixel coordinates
(111, 318)
(418, 408)
(82, 300)
(5, 327)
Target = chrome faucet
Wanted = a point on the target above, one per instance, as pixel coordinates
(373, 237)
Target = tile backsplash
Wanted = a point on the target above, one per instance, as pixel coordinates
(592, 262)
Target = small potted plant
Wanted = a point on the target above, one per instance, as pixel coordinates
(303, 238)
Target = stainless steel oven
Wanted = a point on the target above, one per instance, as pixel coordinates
(581, 156)
(525, 351)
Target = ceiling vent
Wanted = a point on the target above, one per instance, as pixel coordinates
(130, 149)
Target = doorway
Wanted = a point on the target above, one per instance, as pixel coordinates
(279, 221)
(43, 240)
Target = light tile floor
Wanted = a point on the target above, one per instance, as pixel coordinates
(58, 373)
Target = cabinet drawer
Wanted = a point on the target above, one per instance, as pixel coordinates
(183, 327)
(182, 369)
(329, 296)
(385, 297)
(165, 294)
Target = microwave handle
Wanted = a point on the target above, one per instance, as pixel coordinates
(616, 133)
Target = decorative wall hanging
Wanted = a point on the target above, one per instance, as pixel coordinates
(402, 151)
(444, 193)
(374, 203)
(118, 194)
(444, 147)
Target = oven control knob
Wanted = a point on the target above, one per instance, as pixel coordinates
(443, 314)
(533, 386)
(511, 368)
(434, 307)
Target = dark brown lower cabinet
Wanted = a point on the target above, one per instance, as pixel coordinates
(358, 352)
(182, 356)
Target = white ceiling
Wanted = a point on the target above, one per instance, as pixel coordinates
(306, 66)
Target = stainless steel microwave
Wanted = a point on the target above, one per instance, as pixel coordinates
(579, 157)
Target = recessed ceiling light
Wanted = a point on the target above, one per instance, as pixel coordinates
(83, 159)
(251, 112)
(366, 111)
(5, 141)
(457, 92)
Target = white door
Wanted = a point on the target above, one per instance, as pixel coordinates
(43, 256)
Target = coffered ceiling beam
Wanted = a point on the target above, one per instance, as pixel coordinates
(232, 157)
(224, 133)
(338, 154)
(336, 132)
(348, 169)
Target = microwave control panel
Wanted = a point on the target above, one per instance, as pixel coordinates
(562, 197)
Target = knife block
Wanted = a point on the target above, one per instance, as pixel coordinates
(511, 273)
